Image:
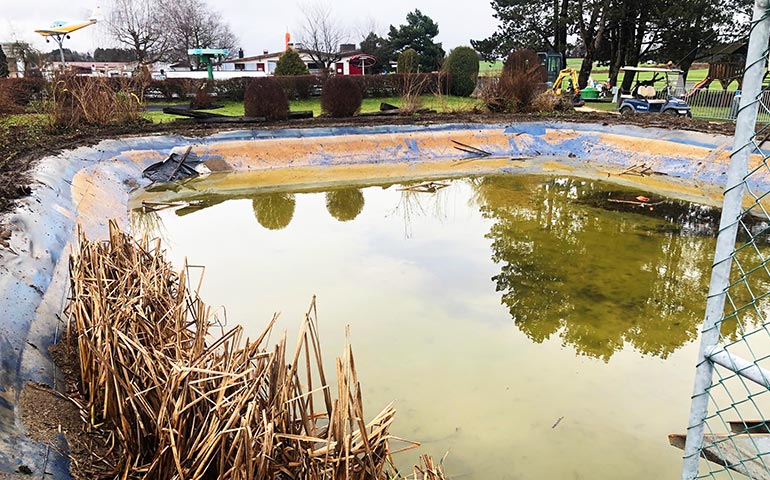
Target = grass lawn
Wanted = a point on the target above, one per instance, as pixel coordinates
(443, 103)
(601, 74)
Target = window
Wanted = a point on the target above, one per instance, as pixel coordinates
(240, 66)
(260, 67)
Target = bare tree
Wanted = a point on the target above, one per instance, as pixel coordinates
(321, 35)
(192, 24)
(137, 24)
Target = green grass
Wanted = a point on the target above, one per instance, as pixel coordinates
(601, 74)
(443, 103)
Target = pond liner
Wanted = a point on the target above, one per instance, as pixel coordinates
(87, 185)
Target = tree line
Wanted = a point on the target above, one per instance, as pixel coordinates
(616, 32)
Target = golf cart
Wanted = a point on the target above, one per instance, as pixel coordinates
(645, 98)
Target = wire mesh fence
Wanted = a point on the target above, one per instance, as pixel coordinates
(728, 433)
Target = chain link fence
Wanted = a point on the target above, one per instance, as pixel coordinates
(728, 433)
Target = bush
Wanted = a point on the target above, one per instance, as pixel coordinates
(290, 64)
(408, 61)
(8, 103)
(264, 97)
(19, 92)
(202, 99)
(521, 82)
(300, 86)
(231, 89)
(463, 66)
(75, 101)
(341, 97)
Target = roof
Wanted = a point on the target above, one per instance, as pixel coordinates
(650, 69)
(725, 51)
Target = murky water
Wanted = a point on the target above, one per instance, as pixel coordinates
(535, 328)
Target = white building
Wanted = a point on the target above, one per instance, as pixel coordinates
(263, 65)
(15, 62)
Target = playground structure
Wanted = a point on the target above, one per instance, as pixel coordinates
(207, 56)
(725, 66)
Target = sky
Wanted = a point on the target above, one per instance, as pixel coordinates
(260, 25)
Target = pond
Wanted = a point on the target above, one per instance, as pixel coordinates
(532, 327)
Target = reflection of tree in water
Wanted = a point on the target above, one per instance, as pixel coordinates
(274, 211)
(597, 278)
(147, 222)
(345, 204)
(414, 204)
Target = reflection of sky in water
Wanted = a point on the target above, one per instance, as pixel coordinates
(598, 310)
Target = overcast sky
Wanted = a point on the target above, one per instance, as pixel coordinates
(258, 24)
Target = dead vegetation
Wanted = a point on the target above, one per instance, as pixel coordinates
(178, 402)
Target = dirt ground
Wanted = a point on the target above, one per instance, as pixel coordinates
(23, 153)
(56, 420)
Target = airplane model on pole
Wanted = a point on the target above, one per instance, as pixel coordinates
(60, 30)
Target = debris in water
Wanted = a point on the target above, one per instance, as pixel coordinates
(174, 168)
(557, 422)
(427, 187)
(471, 149)
(640, 169)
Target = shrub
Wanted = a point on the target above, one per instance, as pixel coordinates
(300, 86)
(408, 61)
(521, 81)
(232, 89)
(463, 67)
(264, 97)
(8, 103)
(341, 97)
(526, 77)
(75, 101)
(290, 64)
(17, 93)
(202, 99)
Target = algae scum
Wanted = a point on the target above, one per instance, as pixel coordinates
(533, 327)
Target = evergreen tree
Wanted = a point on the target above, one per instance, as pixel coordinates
(290, 63)
(418, 34)
(380, 49)
(408, 61)
(462, 64)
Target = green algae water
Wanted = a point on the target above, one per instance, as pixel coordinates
(531, 327)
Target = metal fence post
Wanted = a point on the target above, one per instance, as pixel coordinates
(731, 213)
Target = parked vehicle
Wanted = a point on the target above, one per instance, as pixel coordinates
(658, 94)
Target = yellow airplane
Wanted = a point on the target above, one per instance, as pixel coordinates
(60, 30)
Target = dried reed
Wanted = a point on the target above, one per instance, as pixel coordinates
(183, 405)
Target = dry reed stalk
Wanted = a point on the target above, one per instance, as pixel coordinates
(182, 406)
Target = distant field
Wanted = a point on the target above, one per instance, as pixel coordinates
(601, 74)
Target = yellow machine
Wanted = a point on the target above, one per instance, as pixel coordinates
(571, 75)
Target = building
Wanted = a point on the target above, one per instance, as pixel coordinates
(15, 61)
(102, 69)
(263, 65)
